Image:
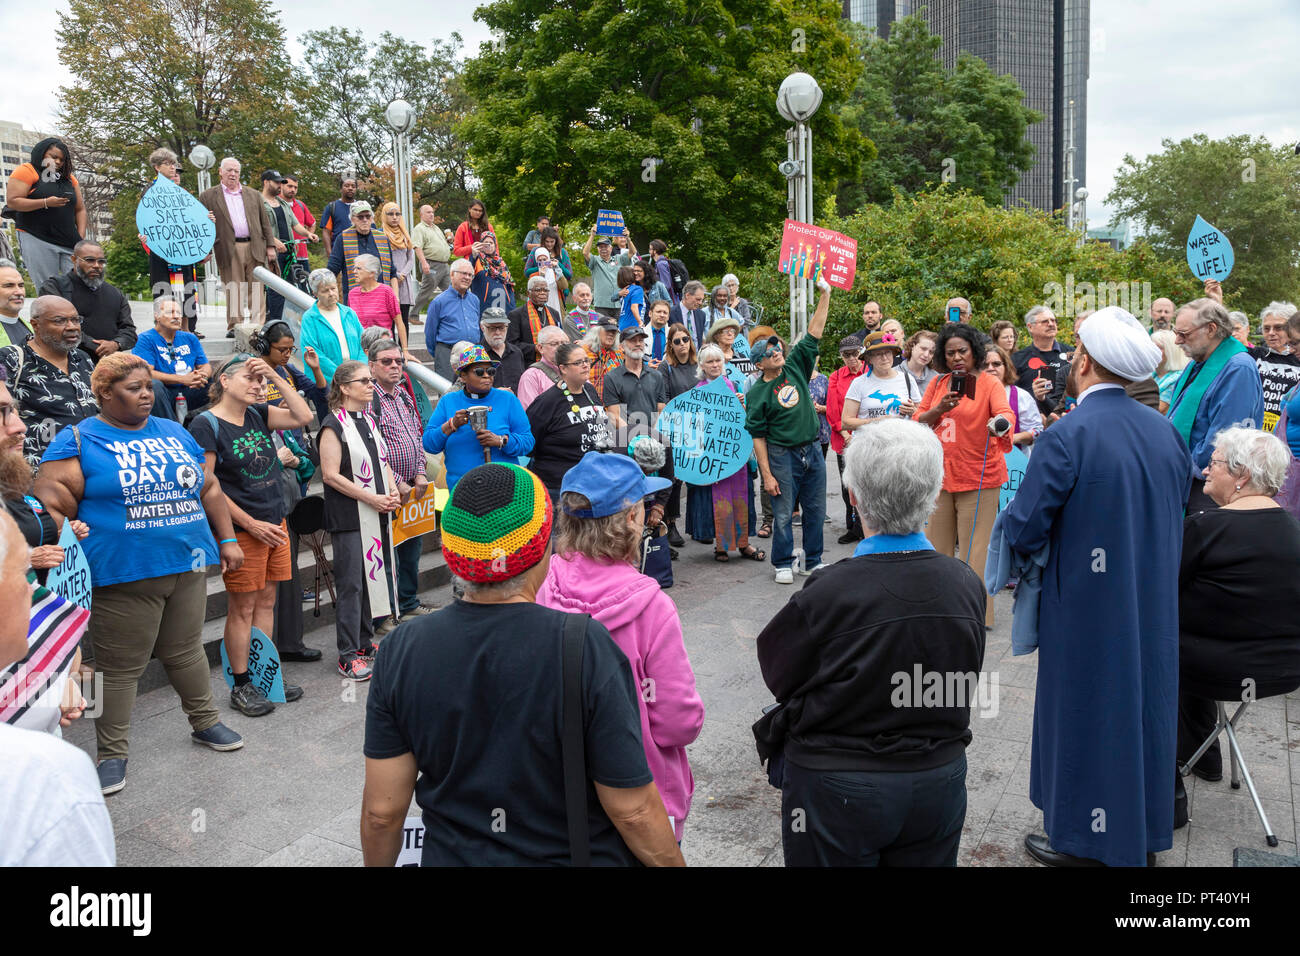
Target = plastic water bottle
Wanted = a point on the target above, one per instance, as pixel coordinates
(182, 408)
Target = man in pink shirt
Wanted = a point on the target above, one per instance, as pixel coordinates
(543, 373)
(244, 241)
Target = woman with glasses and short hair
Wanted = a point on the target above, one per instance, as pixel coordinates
(567, 420)
(501, 435)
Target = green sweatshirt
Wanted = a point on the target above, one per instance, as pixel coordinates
(782, 410)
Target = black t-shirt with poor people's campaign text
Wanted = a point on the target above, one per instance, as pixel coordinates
(1033, 362)
(473, 691)
(564, 435)
(247, 464)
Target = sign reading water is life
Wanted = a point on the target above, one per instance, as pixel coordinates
(706, 428)
(1209, 253)
(175, 224)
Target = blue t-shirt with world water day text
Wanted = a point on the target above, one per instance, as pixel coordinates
(141, 499)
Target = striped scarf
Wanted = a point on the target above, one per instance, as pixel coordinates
(537, 319)
(30, 690)
(351, 249)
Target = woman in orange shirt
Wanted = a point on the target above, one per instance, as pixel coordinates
(968, 411)
(50, 212)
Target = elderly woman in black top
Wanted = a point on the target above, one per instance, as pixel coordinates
(872, 765)
(1239, 629)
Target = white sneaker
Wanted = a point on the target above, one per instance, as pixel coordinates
(784, 576)
(819, 566)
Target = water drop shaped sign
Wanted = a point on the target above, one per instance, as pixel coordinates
(1209, 253)
(175, 224)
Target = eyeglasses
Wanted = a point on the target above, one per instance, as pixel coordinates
(65, 321)
(360, 381)
(1219, 461)
(585, 362)
(92, 262)
(1184, 333)
(485, 370)
(391, 361)
(7, 411)
(286, 349)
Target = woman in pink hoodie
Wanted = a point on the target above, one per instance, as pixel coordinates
(597, 539)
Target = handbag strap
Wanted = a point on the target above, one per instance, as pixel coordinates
(572, 748)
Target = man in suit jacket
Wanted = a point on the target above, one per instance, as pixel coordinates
(244, 241)
(691, 313)
(521, 324)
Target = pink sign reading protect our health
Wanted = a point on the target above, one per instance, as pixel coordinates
(810, 252)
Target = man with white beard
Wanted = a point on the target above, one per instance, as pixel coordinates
(494, 323)
(634, 395)
(106, 323)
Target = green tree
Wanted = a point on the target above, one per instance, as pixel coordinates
(968, 127)
(916, 252)
(578, 99)
(1246, 187)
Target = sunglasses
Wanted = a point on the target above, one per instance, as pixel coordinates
(391, 361)
(485, 370)
(681, 340)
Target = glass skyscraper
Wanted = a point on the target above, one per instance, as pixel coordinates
(1044, 45)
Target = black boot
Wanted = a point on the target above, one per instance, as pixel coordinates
(674, 536)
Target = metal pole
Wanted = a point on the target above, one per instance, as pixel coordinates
(792, 211)
(809, 209)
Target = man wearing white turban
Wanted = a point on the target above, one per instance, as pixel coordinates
(1105, 489)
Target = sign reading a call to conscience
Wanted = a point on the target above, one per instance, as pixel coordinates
(175, 224)
(808, 252)
(1017, 462)
(609, 222)
(71, 579)
(263, 667)
(1209, 253)
(706, 429)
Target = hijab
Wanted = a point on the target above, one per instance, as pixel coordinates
(398, 237)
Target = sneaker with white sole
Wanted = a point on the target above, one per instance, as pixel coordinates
(112, 775)
(358, 669)
(784, 576)
(817, 567)
(218, 737)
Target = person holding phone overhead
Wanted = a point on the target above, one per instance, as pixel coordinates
(970, 414)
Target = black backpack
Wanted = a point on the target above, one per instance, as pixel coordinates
(680, 275)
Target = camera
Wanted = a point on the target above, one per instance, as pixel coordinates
(789, 168)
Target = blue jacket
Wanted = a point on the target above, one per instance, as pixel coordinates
(1236, 397)
(461, 451)
(1003, 564)
(452, 318)
(317, 334)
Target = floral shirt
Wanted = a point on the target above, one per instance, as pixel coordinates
(47, 398)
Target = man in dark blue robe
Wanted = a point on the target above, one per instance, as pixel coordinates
(1105, 488)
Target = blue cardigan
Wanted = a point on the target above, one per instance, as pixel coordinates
(461, 451)
(317, 334)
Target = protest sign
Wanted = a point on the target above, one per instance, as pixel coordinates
(419, 517)
(263, 667)
(71, 579)
(812, 253)
(1209, 253)
(706, 429)
(412, 842)
(1017, 462)
(175, 224)
(609, 222)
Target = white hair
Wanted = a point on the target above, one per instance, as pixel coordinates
(706, 353)
(551, 332)
(1239, 320)
(368, 262)
(731, 277)
(1283, 310)
(580, 285)
(1174, 359)
(318, 278)
(894, 468)
(372, 335)
(536, 282)
(230, 159)
(1032, 315)
(1261, 456)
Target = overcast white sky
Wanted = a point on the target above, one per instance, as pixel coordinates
(1160, 68)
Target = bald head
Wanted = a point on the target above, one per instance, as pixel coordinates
(47, 307)
(1162, 314)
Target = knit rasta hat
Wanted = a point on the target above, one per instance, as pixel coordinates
(497, 524)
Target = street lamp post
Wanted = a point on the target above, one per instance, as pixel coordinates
(797, 100)
(1081, 214)
(400, 116)
(203, 159)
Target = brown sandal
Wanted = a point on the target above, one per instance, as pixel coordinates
(721, 556)
(753, 554)
(765, 530)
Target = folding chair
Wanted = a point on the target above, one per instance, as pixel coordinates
(1239, 769)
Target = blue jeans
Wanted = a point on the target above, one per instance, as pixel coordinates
(801, 474)
(408, 573)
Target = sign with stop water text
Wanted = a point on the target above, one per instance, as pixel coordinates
(706, 430)
(175, 224)
(809, 252)
(71, 579)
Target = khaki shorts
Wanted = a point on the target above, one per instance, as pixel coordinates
(262, 564)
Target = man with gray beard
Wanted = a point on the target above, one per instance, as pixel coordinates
(494, 323)
(49, 375)
(634, 395)
(106, 323)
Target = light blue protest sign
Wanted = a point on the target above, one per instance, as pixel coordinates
(609, 222)
(1017, 462)
(706, 429)
(71, 579)
(1209, 253)
(263, 667)
(175, 224)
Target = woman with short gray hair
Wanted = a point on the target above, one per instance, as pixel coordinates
(877, 767)
(375, 302)
(330, 327)
(1238, 590)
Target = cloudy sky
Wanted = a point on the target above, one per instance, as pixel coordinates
(1161, 69)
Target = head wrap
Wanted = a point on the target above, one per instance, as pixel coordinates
(1119, 343)
(497, 524)
(397, 235)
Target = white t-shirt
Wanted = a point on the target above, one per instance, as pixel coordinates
(51, 810)
(881, 397)
(334, 320)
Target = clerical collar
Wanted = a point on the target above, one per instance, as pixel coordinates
(889, 543)
(1095, 388)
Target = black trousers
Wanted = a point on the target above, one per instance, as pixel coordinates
(851, 521)
(873, 818)
(160, 285)
(287, 633)
(673, 510)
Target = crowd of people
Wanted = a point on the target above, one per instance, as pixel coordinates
(547, 442)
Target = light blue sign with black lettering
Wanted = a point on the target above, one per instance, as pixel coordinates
(1209, 253)
(1017, 462)
(263, 667)
(706, 429)
(70, 580)
(175, 224)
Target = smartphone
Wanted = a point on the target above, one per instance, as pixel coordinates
(957, 384)
(954, 313)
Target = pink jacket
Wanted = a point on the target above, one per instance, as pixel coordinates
(644, 624)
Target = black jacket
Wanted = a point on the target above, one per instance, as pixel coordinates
(850, 655)
(520, 332)
(511, 368)
(105, 312)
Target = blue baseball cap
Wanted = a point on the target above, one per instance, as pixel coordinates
(611, 482)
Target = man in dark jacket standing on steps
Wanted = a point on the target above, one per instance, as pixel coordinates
(106, 323)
